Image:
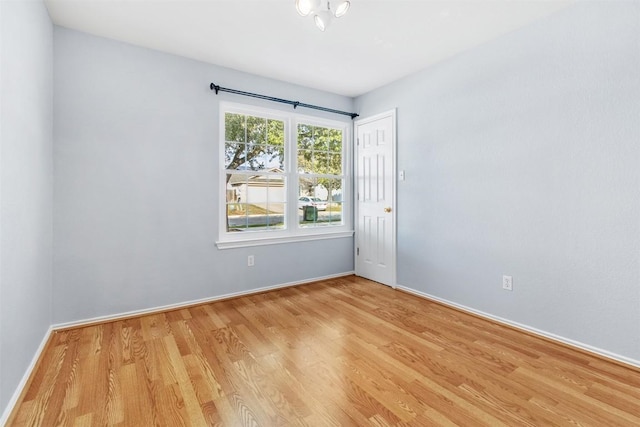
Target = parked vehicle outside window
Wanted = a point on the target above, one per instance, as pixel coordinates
(312, 201)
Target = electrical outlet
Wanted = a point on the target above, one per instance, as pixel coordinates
(507, 283)
(251, 261)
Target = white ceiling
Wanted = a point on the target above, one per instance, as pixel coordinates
(377, 42)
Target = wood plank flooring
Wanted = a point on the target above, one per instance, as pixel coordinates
(342, 352)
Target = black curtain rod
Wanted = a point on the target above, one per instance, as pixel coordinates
(295, 104)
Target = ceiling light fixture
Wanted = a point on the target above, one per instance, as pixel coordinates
(305, 7)
(322, 19)
(322, 10)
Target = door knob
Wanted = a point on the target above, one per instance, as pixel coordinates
(387, 209)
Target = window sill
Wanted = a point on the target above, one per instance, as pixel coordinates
(231, 244)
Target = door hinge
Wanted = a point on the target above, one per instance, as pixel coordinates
(358, 141)
(358, 252)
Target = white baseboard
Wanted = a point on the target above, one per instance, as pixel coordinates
(135, 313)
(23, 382)
(572, 343)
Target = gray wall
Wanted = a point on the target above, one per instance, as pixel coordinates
(26, 186)
(522, 157)
(136, 183)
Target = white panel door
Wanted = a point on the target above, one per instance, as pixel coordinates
(375, 198)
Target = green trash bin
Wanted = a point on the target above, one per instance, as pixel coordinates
(309, 213)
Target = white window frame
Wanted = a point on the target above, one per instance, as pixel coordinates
(292, 231)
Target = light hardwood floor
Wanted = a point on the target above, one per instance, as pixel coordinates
(340, 352)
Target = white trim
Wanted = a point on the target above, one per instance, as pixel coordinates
(232, 244)
(563, 340)
(25, 378)
(153, 310)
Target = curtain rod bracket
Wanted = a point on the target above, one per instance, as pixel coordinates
(295, 104)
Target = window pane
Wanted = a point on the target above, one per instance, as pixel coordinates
(335, 141)
(320, 161)
(234, 154)
(276, 157)
(305, 161)
(236, 210)
(275, 135)
(256, 130)
(237, 220)
(321, 139)
(335, 164)
(234, 127)
(306, 187)
(305, 137)
(275, 144)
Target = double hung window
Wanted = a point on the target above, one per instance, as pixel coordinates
(286, 177)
